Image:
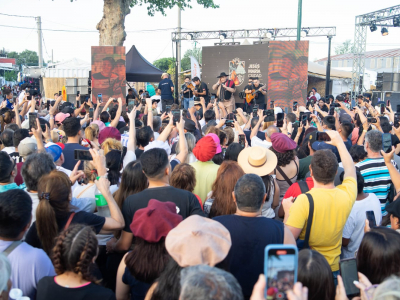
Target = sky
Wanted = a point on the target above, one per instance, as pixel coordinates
(152, 35)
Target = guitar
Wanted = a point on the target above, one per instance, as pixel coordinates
(252, 95)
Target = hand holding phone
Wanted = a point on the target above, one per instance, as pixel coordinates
(348, 271)
(242, 140)
(371, 218)
(82, 155)
(280, 269)
(32, 120)
(279, 119)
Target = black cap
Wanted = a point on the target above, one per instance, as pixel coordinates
(67, 110)
(394, 208)
(190, 125)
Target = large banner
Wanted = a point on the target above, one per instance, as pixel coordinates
(108, 73)
(287, 72)
(195, 67)
(240, 62)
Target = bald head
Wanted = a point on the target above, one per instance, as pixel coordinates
(270, 131)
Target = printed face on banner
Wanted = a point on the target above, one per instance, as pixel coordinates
(108, 73)
(237, 71)
(287, 72)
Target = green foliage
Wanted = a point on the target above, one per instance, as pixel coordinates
(165, 63)
(26, 57)
(10, 75)
(185, 62)
(154, 6)
(345, 47)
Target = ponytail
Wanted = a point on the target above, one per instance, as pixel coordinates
(46, 224)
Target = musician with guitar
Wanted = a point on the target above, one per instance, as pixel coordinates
(255, 95)
(201, 89)
(188, 92)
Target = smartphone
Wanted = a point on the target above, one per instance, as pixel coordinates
(78, 93)
(242, 140)
(14, 99)
(32, 120)
(280, 269)
(77, 103)
(255, 110)
(304, 120)
(348, 271)
(295, 106)
(212, 99)
(371, 218)
(371, 120)
(229, 123)
(115, 100)
(279, 119)
(322, 136)
(167, 109)
(100, 98)
(59, 93)
(332, 110)
(271, 104)
(82, 155)
(28, 96)
(91, 113)
(43, 126)
(223, 152)
(386, 142)
(382, 108)
(176, 113)
(398, 109)
(396, 122)
(48, 104)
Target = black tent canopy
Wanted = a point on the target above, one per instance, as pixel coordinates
(138, 69)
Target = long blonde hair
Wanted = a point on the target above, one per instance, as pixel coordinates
(92, 132)
(111, 144)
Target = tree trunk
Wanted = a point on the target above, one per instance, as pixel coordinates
(111, 27)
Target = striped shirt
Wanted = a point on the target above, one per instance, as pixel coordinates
(376, 179)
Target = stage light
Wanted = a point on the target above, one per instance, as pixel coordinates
(189, 37)
(396, 22)
(384, 31)
(303, 33)
(373, 27)
(222, 36)
(269, 34)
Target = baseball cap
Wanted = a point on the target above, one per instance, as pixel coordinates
(27, 146)
(60, 117)
(54, 150)
(394, 208)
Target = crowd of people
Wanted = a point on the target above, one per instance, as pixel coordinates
(100, 202)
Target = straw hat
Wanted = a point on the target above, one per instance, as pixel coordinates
(257, 160)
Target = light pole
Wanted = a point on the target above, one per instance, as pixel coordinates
(299, 19)
(328, 69)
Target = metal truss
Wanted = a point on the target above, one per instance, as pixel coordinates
(382, 18)
(261, 33)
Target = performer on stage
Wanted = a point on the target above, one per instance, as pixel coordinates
(256, 90)
(201, 89)
(247, 90)
(187, 90)
(225, 89)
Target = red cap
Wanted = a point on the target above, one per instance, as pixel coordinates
(205, 149)
(282, 143)
(109, 132)
(61, 145)
(155, 221)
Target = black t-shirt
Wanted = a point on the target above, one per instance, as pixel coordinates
(395, 140)
(201, 88)
(80, 217)
(186, 203)
(69, 156)
(249, 236)
(226, 94)
(138, 152)
(15, 156)
(260, 98)
(187, 93)
(47, 289)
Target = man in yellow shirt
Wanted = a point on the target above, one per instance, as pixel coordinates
(332, 205)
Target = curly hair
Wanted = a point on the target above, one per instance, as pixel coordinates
(284, 158)
(74, 251)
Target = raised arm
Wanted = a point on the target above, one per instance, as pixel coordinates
(17, 117)
(114, 122)
(255, 129)
(96, 112)
(131, 146)
(183, 147)
(240, 113)
(316, 121)
(348, 165)
(394, 173)
(149, 113)
(165, 134)
(362, 134)
(215, 86)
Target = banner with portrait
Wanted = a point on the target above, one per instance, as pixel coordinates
(108, 73)
(287, 72)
